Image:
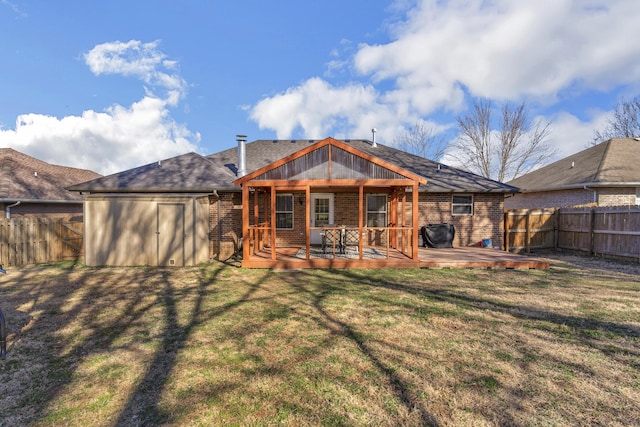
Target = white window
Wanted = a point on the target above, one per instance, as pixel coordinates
(284, 211)
(376, 210)
(462, 204)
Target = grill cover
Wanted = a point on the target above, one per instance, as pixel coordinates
(438, 235)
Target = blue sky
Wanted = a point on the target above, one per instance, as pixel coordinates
(112, 85)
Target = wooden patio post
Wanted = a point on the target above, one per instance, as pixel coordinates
(414, 223)
(405, 244)
(246, 242)
(307, 215)
(273, 223)
(360, 212)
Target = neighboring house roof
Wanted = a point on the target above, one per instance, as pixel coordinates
(27, 179)
(610, 163)
(192, 172)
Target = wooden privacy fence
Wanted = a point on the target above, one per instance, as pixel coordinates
(610, 231)
(39, 240)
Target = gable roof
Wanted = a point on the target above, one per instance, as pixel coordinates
(440, 177)
(194, 173)
(331, 159)
(610, 163)
(26, 178)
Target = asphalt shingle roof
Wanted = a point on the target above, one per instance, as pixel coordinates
(192, 172)
(23, 177)
(613, 162)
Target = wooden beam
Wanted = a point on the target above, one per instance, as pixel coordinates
(273, 223)
(414, 222)
(360, 218)
(300, 185)
(307, 220)
(246, 242)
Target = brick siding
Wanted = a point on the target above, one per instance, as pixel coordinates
(612, 196)
(485, 223)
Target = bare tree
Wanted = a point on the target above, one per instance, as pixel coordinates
(422, 141)
(517, 145)
(624, 122)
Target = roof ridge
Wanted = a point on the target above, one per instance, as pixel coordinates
(602, 161)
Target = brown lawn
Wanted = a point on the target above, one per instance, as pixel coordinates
(218, 345)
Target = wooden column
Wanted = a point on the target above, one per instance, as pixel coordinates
(360, 221)
(414, 223)
(246, 242)
(307, 214)
(273, 223)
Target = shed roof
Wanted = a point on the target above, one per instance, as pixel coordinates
(189, 172)
(610, 163)
(26, 178)
(194, 173)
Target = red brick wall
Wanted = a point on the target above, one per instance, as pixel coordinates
(225, 225)
(485, 223)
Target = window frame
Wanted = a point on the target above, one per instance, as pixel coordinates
(376, 212)
(284, 212)
(458, 204)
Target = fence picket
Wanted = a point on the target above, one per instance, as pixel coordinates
(609, 231)
(38, 240)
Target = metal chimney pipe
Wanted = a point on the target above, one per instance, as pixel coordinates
(242, 155)
(373, 132)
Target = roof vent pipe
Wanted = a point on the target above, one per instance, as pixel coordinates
(242, 155)
(373, 140)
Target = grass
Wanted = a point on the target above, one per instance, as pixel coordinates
(218, 345)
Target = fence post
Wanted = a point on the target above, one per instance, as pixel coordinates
(506, 231)
(592, 234)
(527, 232)
(556, 228)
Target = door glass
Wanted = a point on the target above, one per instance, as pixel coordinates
(321, 212)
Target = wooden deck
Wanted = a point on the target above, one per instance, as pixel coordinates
(464, 257)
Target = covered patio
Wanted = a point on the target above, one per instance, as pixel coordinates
(373, 224)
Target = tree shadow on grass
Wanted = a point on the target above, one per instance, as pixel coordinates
(612, 339)
(108, 314)
(338, 327)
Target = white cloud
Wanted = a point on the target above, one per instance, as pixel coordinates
(315, 107)
(503, 50)
(106, 142)
(570, 134)
(119, 137)
(506, 50)
(141, 60)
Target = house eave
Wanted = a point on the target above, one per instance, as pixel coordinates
(581, 185)
(21, 200)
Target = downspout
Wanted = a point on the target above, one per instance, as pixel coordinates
(595, 193)
(8, 208)
(215, 193)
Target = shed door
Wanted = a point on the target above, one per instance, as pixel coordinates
(171, 234)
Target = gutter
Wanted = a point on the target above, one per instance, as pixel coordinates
(581, 186)
(8, 208)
